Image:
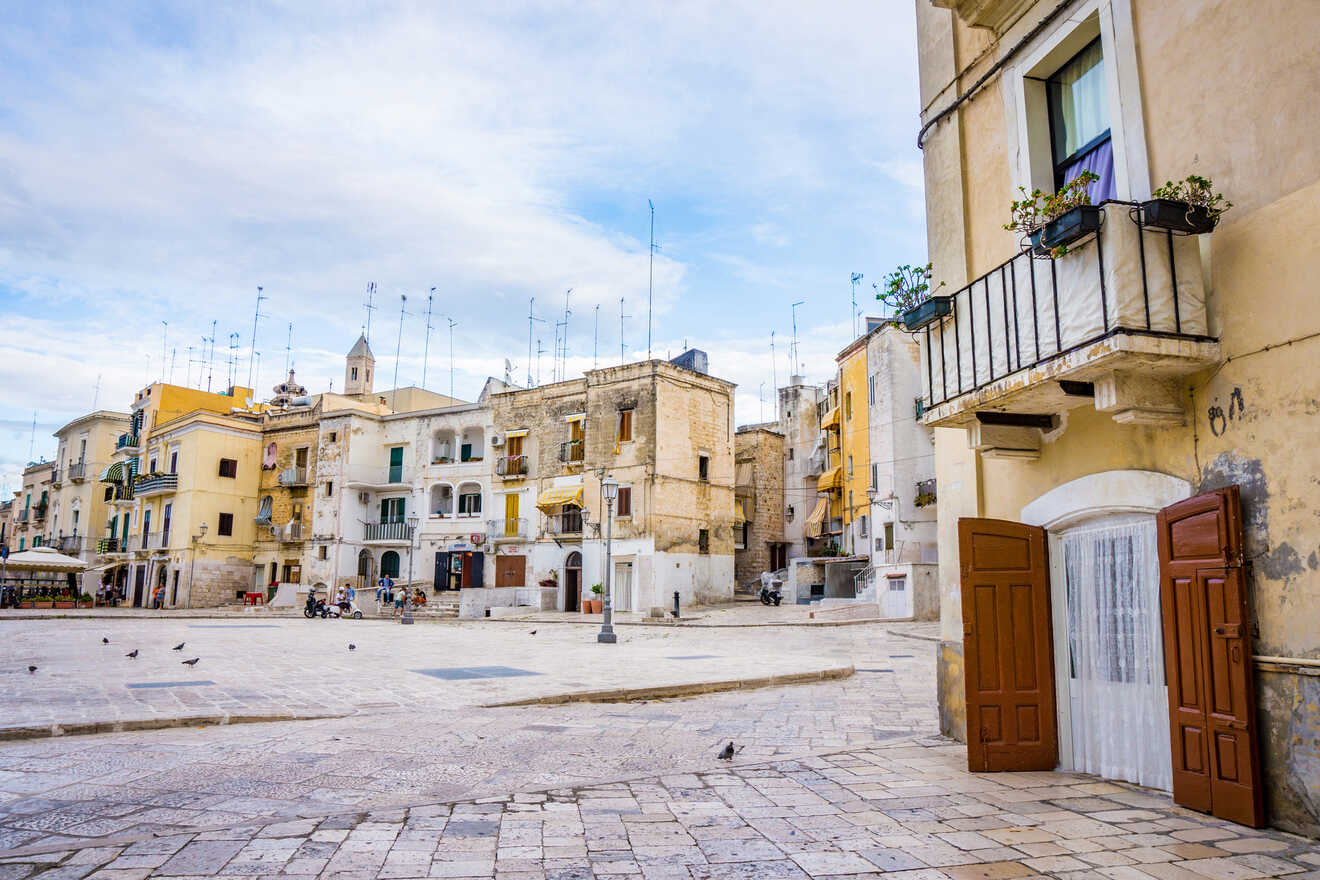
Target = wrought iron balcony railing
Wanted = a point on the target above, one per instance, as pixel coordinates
(294, 476)
(507, 529)
(127, 441)
(388, 531)
(566, 523)
(511, 466)
(155, 484)
(77, 471)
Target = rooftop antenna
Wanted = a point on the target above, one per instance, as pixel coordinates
(760, 396)
(452, 324)
(621, 317)
(96, 393)
(164, 342)
(187, 379)
(32, 443)
(856, 277)
(531, 317)
(650, 281)
(370, 306)
(595, 338)
(398, 347)
(288, 350)
(563, 371)
(233, 357)
(256, 313)
(794, 364)
(253, 390)
(774, 367)
(426, 348)
(539, 349)
(173, 352)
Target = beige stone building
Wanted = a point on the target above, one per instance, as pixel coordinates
(1094, 408)
(804, 458)
(79, 508)
(665, 433)
(758, 518)
(289, 432)
(31, 517)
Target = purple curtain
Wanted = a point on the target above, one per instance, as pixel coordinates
(1100, 162)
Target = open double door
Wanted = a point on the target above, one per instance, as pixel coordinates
(1009, 655)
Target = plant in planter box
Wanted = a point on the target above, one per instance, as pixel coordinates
(907, 291)
(1191, 205)
(1052, 221)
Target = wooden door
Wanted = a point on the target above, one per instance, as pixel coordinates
(1008, 661)
(511, 515)
(474, 570)
(441, 571)
(1207, 655)
(510, 571)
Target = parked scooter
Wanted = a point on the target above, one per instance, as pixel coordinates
(314, 607)
(346, 609)
(770, 593)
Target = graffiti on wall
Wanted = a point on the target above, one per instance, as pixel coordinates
(1220, 418)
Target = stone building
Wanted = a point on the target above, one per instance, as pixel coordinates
(1125, 429)
(79, 506)
(799, 423)
(665, 434)
(289, 432)
(758, 519)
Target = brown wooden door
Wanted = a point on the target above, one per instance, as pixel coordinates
(510, 571)
(1207, 655)
(1007, 650)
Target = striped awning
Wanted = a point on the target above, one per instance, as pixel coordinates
(560, 495)
(521, 432)
(738, 516)
(113, 474)
(576, 417)
(812, 526)
(831, 479)
(831, 419)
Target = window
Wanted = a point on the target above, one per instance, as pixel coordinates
(703, 467)
(164, 526)
(174, 462)
(1079, 122)
(847, 405)
(743, 529)
(322, 552)
(625, 425)
(333, 436)
(788, 513)
(870, 390)
(226, 527)
(353, 373)
(151, 466)
(577, 431)
(875, 476)
(297, 512)
(329, 488)
(109, 492)
(850, 467)
(82, 449)
(790, 453)
(396, 464)
(292, 572)
(703, 540)
(389, 564)
(146, 525)
(513, 447)
(889, 535)
(229, 467)
(392, 510)
(623, 504)
(469, 500)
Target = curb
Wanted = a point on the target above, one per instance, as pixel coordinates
(620, 695)
(86, 728)
(919, 637)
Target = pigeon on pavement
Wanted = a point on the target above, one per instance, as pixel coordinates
(192, 662)
(727, 753)
(532, 633)
(179, 646)
(31, 669)
(132, 653)
(104, 640)
(352, 647)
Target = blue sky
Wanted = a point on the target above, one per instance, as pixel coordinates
(158, 162)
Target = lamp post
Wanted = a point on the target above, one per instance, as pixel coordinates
(192, 566)
(610, 487)
(407, 617)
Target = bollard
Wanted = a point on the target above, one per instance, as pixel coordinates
(675, 603)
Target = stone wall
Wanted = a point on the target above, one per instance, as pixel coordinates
(759, 485)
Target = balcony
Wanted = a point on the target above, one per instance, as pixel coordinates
(293, 477)
(155, 484)
(1109, 324)
(291, 533)
(56, 477)
(147, 541)
(565, 523)
(77, 472)
(23, 515)
(377, 479)
(507, 529)
(39, 513)
(121, 495)
(128, 443)
(573, 452)
(70, 544)
(511, 467)
(107, 545)
(387, 533)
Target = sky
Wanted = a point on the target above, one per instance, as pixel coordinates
(160, 162)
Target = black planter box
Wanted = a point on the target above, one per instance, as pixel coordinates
(1177, 216)
(928, 312)
(1067, 228)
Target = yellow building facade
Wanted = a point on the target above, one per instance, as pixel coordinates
(854, 445)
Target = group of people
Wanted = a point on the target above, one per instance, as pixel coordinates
(387, 593)
(108, 594)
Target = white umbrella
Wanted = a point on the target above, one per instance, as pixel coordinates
(44, 559)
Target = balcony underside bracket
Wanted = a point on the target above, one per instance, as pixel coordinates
(1140, 399)
(1005, 441)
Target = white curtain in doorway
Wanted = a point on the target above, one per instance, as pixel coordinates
(1119, 701)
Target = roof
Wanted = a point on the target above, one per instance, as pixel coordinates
(361, 349)
(108, 415)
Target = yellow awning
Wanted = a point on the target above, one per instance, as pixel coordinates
(576, 417)
(738, 516)
(831, 419)
(560, 495)
(522, 432)
(830, 479)
(813, 523)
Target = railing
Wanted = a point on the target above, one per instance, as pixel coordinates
(22, 515)
(119, 545)
(572, 451)
(107, 545)
(294, 476)
(568, 523)
(39, 512)
(77, 471)
(834, 526)
(291, 533)
(154, 484)
(149, 540)
(55, 477)
(127, 441)
(508, 527)
(511, 466)
(1127, 278)
(121, 493)
(70, 543)
(389, 531)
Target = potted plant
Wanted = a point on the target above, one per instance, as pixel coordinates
(1052, 221)
(597, 604)
(907, 292)
(1191, 205)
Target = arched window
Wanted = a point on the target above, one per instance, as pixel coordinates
(264, 510)
(389, 564)
(442, 500)
(471, 447)
(469, 499)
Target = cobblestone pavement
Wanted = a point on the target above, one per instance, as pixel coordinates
(908, 812)
(413, 738)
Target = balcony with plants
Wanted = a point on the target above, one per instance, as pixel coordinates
(1103, 306)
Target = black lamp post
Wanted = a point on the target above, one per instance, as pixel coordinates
(610, 487)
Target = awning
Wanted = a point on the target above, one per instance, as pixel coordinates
(44, 559)
(576, 417)
(521, 432)
(830, 479)
(743, 473)
(738, 516)
(831, 419)
(812, 526)
(560, 495)
(113, 474)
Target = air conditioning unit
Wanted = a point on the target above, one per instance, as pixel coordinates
(363, 498)
(496, 439)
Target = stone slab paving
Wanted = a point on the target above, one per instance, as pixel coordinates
(907, 812)
(413, 738)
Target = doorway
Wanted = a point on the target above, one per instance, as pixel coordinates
(510, 571)
(139, 584)
(893, 596)
(365, 570)
(622, 586)
(572, 581)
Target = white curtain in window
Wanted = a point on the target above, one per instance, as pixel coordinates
(1119, 701)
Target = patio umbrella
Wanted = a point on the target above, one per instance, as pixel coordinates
(44, 559)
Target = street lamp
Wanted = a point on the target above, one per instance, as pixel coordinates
(610, 487)
(407, 591)
(192, 566)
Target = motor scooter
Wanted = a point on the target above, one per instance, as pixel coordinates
(314, 607)
(346, 610)
(770, 594)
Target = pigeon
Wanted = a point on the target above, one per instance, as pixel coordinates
(104, 640)
(192, 662)
(31, 669)
(179, 646)
(132, 653)
(352, 647)
(726, 754)
(532, 633)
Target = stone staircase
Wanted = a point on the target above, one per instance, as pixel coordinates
(439, 605)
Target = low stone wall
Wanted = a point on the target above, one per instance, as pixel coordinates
(475, 602)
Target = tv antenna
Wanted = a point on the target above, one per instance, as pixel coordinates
(621, 317)
(539, 349)
(96, 392)
(774, 367)
(233, 358)
(210, 356)
(256, 314)
(452, 324)
(563, 370)
(398, 347)
(288, 350)
(426, 348)
(173, 352)
(795, 364)
(531, 317)
(650, 280)
(595, 338)
(32, 443)
(856, 277)
(370, 306)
